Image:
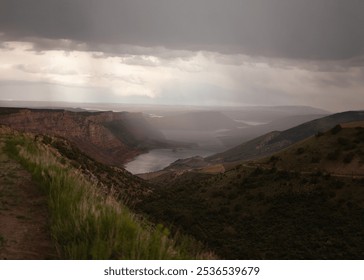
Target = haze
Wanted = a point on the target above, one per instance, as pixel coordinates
(191, 52)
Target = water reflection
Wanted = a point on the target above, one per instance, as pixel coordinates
(160, 158)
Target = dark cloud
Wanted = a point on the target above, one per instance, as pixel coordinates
(298, 29)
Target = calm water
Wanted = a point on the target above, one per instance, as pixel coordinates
(160, 158)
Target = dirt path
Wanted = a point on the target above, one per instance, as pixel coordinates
(24, 228)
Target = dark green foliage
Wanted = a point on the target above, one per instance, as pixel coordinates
(315, 159)
(336, 129)
(343, 141)
(282, 207)
(266, 215)
(237, 208)
(360, 135)
(273, 159)
(257, 171)
(283, 175)
(337, 184)
(239, 166)
(348, 157)
(8, 111)
(46, 139)
(334, 155)
(347, 144)
(319, 134)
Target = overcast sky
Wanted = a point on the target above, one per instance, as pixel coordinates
(202, 52)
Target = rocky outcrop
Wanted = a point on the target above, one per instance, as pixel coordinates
(109, 137)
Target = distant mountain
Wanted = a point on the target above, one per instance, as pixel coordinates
(267, 114)
(235, 137)
(275, 141)
(111, 138)
(200, 121)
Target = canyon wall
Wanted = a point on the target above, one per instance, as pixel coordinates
(109, 137)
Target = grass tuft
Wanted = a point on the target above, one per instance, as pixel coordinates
(86, 224)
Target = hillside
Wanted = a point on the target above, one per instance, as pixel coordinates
(304, 202)
(275, 141)
(24, 215)
(80, 206)
(235, 137)
(339, 151)
(280, 207)
(111, 138)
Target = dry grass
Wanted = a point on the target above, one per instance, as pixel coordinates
(86, 224)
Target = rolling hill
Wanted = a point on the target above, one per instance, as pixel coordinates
(235, 137)
(306, 202)
(276, 140)
(339, 151)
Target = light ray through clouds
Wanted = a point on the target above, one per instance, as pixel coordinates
(202, 52)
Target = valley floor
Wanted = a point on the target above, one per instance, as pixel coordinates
(24, 228)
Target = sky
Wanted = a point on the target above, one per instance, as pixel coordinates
(184, 52)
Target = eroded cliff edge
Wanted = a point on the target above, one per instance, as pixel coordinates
(109, 137)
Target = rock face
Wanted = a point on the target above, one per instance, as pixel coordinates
(109, 137)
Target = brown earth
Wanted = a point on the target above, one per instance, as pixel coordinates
(24, 218)
(109, 137)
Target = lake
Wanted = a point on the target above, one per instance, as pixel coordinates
(158, 159)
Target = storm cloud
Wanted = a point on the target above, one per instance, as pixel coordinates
(198, 52)
(296, 29)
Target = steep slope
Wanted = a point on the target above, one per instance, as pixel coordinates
(339, 151)
(111, 138)
(281, 207)
(275, 141)
(87, 202)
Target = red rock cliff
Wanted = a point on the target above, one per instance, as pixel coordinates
(111, 138)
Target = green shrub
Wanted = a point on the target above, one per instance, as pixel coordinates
(273, 159)
(319, 134)
(336, 129)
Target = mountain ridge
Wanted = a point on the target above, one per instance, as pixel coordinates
(275, 141)
(304, 202)
(111, 138)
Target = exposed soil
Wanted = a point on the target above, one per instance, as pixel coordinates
(24, 220)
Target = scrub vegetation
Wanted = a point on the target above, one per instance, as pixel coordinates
(285, 206)
(88, 224)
